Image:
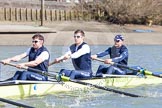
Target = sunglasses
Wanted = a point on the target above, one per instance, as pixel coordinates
(77, 37)
(35, 41)
(117, 40)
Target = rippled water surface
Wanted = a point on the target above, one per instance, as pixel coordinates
(149, 57)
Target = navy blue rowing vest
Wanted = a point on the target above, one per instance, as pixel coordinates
(83, 62)
(115, 52)
(33, 55)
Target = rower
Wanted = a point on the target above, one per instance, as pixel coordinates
(80, 54)
(38, 59)
(118, 54)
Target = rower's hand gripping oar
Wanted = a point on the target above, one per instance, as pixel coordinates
(54, 62)
(141, 71)
(27, 68)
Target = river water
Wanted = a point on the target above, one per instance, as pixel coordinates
(148, 57)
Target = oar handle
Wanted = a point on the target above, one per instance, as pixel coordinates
(51, 63)
(102, 60)
(98, 59)
(32, 69)
(54, 62)
(142, 71)
(14, 65)
(54, 75)
(123, 66)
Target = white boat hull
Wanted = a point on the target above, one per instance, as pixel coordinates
(21, 89)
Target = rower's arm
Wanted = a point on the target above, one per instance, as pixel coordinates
(15, 58)
(42, 57)
(104, 53)
(84, 50)
(61, 59)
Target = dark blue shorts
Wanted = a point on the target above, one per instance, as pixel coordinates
(27, 75)
(76, 74)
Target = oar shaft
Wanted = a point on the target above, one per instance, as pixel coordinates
(126, 67)
(153, 74)
(98, 59)
(100, 87)
(14, 65)
(34, 70)
(51, 63)
(54, 62)
(137, 70)
(105, 88)
(123, 66)
(101, 60)
(15, 103)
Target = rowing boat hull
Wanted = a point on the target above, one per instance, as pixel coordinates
(21, 89)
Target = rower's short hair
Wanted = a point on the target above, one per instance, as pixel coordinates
(79, 31)
(39, 36)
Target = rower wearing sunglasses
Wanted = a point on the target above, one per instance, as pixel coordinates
(118, 54)
(80, 54)
(38, 58)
